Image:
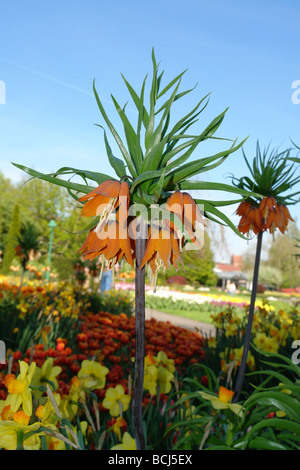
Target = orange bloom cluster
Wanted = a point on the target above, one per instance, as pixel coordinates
(268, 216)
(113, 240)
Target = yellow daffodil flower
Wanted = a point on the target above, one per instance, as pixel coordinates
(164, 378)
(113, 398)
(118, 425)
(46, 374)
(93, 374)
(128, 443)
(46, 413)
(150, 378)
(162, 359)
(223, 400)
(9, 431)
(19, 388)
(266, 343)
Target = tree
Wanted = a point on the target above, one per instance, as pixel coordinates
(282, 256)
(11, 240)
(28, 245)
(270, 276)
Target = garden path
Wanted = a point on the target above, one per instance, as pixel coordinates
(204, 328)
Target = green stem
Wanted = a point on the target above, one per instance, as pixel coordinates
(138, 389)
(20, 435)
(242, 368)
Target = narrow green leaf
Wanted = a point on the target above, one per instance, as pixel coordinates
(138, 101)
(116, 163)
(66, 184)
(116, 136)
(85, 174)
(129, 132)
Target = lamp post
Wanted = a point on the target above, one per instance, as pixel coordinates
(51, 224)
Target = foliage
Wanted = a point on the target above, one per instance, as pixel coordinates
(11, 240)
(267, 420)
(282, 255)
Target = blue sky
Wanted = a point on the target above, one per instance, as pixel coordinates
(246, 54)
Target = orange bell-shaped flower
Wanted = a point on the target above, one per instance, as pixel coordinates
(185, 208)
(162, 248)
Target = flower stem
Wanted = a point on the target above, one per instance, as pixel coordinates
(242, 368)
(139, 340)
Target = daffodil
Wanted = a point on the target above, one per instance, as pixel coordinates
(223, 400)
(128, 443)
(10, 430)
(19, 388)
(164, 379)
(93, 374)
(46, 374)
(69, 403)
(266, 343)
(116, 401)
(46, 412)
(118, 425)
(150, 378)
(162, 359)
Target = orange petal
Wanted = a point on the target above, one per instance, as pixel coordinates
(109, 188)
(93, 207)
(243, 208)
(225, 395)
(191, 210)
(151, 245)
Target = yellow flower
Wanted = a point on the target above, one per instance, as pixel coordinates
(128, 443)
(164, 378)
(46, 374)
(9, 431)
(162, 359)
(265, 343)
(238, 352)
(212, 343)
(19, 388)
(116, 427)
(93, 374)
(46, 412)
(150, 378)
(223, 400)
(232, 329)
(116, 401)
